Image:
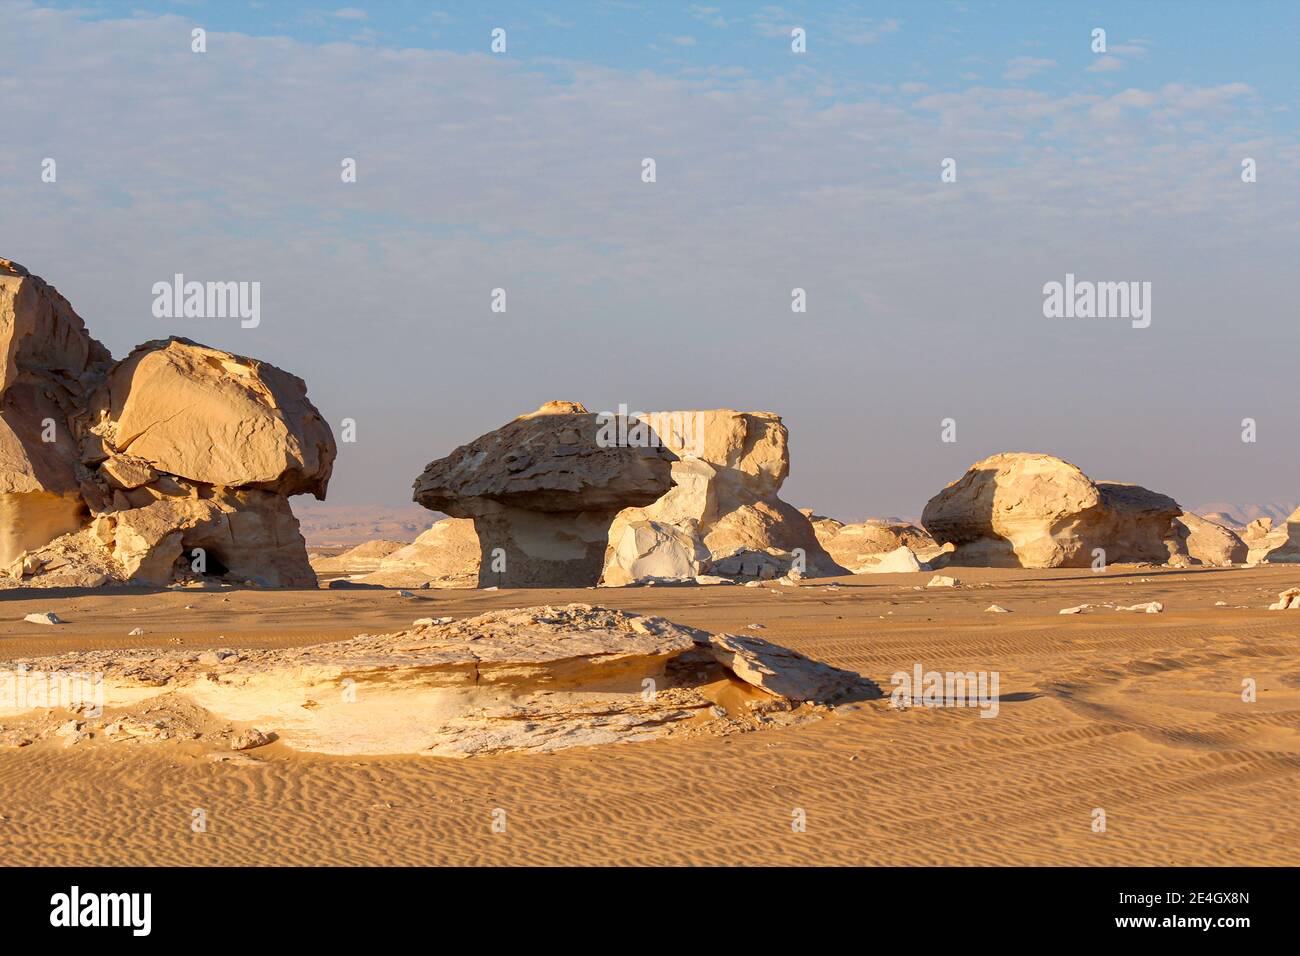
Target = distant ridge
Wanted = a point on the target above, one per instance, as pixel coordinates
(1243, 514)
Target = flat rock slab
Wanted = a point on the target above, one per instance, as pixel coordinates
(539, 678)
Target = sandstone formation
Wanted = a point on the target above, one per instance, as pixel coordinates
(1207, 542)
(542, 492)
(1276, 545)
(722, 515)
(861, 547)
(49, 364)
(1035, 511)
(530, 679)
(176, 461)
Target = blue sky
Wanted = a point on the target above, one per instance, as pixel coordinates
(775, 170)
(946, 44)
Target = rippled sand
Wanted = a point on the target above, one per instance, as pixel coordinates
(1138, 715)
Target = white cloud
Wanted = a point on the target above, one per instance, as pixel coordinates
(1106, 64)
(484, 171)
(350, 13)
(1024, 67)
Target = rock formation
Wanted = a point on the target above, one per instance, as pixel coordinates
(1275, 545)
(1207, 542)
(50, 364)
(447, 555)
(530, 679)
(722, 516)
(177, 460)
(1035, 511)
(542, 492)
(863, 546)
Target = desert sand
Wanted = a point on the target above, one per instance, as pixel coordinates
(1140, 715)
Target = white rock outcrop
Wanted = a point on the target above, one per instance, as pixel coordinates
(1035, 511)
(722, 515)
(177, 461)
(526, 679)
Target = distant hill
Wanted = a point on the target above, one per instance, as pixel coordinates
(327, 525)
(1243, 514)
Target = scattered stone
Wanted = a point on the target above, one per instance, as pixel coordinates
(996, 609)
(942, 581)
(1288, 600)
(135, 632)
(249, 739)
(1150, 607)
(44, 617)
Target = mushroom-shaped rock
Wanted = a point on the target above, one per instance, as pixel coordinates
(212, 417)
(542, 491)
(1029, 510)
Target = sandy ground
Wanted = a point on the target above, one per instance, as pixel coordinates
(1138, 715)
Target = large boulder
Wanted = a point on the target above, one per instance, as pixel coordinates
(1275, 545)
(1207, 542)
(722, 516)
(213, 418)
(542, 492)
(862, 546)
(127, 468)
(48, 364)
(1035, 511)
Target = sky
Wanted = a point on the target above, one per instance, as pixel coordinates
(819, 170)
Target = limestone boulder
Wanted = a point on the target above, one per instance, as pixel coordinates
(111, 471)
(1207, 542)
(723, 507)
(542, 492)
(860, 547)
(211, 417)
(41, 335)
(244, 535)
(1036, 511)
(1277, 545)
(48, 362)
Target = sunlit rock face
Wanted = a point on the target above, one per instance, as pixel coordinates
(723, 515)
(126, 468)
(542, 492)
(1035, 511)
